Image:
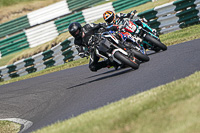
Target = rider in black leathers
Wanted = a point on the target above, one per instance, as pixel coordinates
(82, 36)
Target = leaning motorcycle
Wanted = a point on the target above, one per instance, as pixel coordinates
(148, 39)
(136, 48)
(106, 46)
(142, 34)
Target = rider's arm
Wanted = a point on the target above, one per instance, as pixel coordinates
(97, 26)
(124, 15)
(115, 28)
(79, 47)
(112, 28)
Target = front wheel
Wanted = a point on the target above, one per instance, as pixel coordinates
(155, 42)
(127, 61)
(140, 56)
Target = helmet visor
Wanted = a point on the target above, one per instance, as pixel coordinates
(110, 19)
(76, 34)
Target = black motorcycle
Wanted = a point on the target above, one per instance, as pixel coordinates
(108, 47)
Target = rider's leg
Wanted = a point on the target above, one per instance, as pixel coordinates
(94, 65)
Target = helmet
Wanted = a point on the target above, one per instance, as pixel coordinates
(109, 17)
(75, 29)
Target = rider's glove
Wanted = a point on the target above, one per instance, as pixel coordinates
(121, 28)
(145, 20)
(155, 32)
(87, 53)
(82, 54)
(133, 12)
(103, 25)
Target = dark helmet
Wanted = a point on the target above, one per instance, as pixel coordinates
(75, 29)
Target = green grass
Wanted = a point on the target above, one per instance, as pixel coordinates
(10, 59)
(183, 35)
(4, 61)
(49, 70)
(170, 108)
(9, 127)
(12, 2)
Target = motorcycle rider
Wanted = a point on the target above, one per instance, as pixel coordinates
(82, 37)
(114, 19)
(117, 20)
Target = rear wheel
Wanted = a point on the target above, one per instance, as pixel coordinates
(156, 42)
(127, 61)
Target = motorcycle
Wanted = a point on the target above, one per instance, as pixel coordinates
(136, 48)
(146, 38)
(107, 46)
(142, 34)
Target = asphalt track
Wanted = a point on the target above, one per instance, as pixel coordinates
(60, 95)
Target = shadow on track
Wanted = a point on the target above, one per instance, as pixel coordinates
(103, 73)
(119, 69)
(153, 52)
(102, 78)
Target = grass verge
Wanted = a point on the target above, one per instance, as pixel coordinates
(12, 9)
(35, 50)
(170, 108)
(9, 127)
(49, 70)
(5, 3)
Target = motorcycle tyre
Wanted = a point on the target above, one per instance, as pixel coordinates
(126, 61)
(140, 56)
(157, 49)
(156, 42)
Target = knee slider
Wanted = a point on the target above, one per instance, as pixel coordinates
(93, 68)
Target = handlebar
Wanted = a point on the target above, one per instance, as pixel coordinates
(94, 39)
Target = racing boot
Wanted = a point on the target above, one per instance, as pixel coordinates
(111, 64)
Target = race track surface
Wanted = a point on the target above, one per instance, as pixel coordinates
(60, 95)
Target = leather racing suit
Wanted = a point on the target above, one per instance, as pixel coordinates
(80, 42)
